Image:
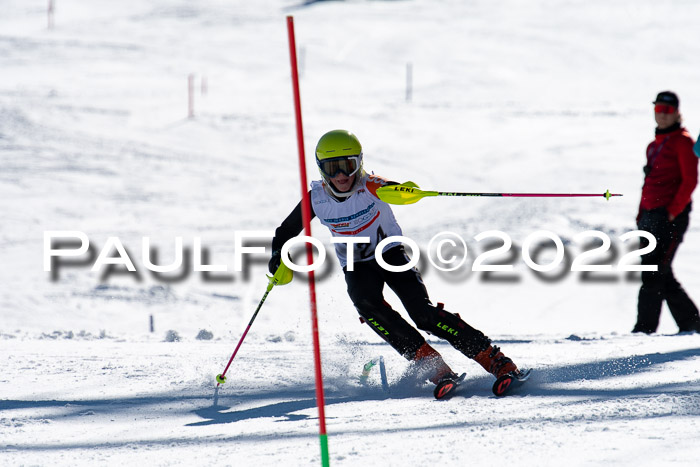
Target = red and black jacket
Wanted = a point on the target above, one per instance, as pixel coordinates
(671, 171)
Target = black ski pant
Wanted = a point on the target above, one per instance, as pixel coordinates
(365, 287)
(661, 285)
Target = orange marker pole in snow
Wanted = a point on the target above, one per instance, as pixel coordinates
(190, 96)
(49, 12)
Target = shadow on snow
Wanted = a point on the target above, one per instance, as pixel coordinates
(545, 382)
(285, 403)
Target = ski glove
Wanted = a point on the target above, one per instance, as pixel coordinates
(274, 261)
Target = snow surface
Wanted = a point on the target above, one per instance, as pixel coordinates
(513, 96)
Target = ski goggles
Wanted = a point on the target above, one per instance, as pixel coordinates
(348, 165)
(664, 109)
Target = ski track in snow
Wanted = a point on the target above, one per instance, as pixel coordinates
(517, 97)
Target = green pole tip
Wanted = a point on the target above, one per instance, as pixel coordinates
(325, 455)
(607, 195)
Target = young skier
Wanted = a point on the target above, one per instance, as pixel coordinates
(346, 202)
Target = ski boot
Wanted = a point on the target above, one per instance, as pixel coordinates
(445, 380)
(430, 361)
(502, 367)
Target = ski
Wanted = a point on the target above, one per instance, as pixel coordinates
(447, 386)
(510, 380)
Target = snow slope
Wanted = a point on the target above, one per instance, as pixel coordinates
(510, 96)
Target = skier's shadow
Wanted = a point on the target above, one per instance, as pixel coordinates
(284, 410)
(217, 414)
(549, 381)
(545, 382)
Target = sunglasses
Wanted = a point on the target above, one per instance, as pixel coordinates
(348, 165)
(664, 109)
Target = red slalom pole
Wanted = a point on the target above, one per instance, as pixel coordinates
(306, 217)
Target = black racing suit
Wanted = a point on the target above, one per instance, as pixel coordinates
(365, 287)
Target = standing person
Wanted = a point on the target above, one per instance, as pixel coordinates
(671, 174)
(346, 202)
